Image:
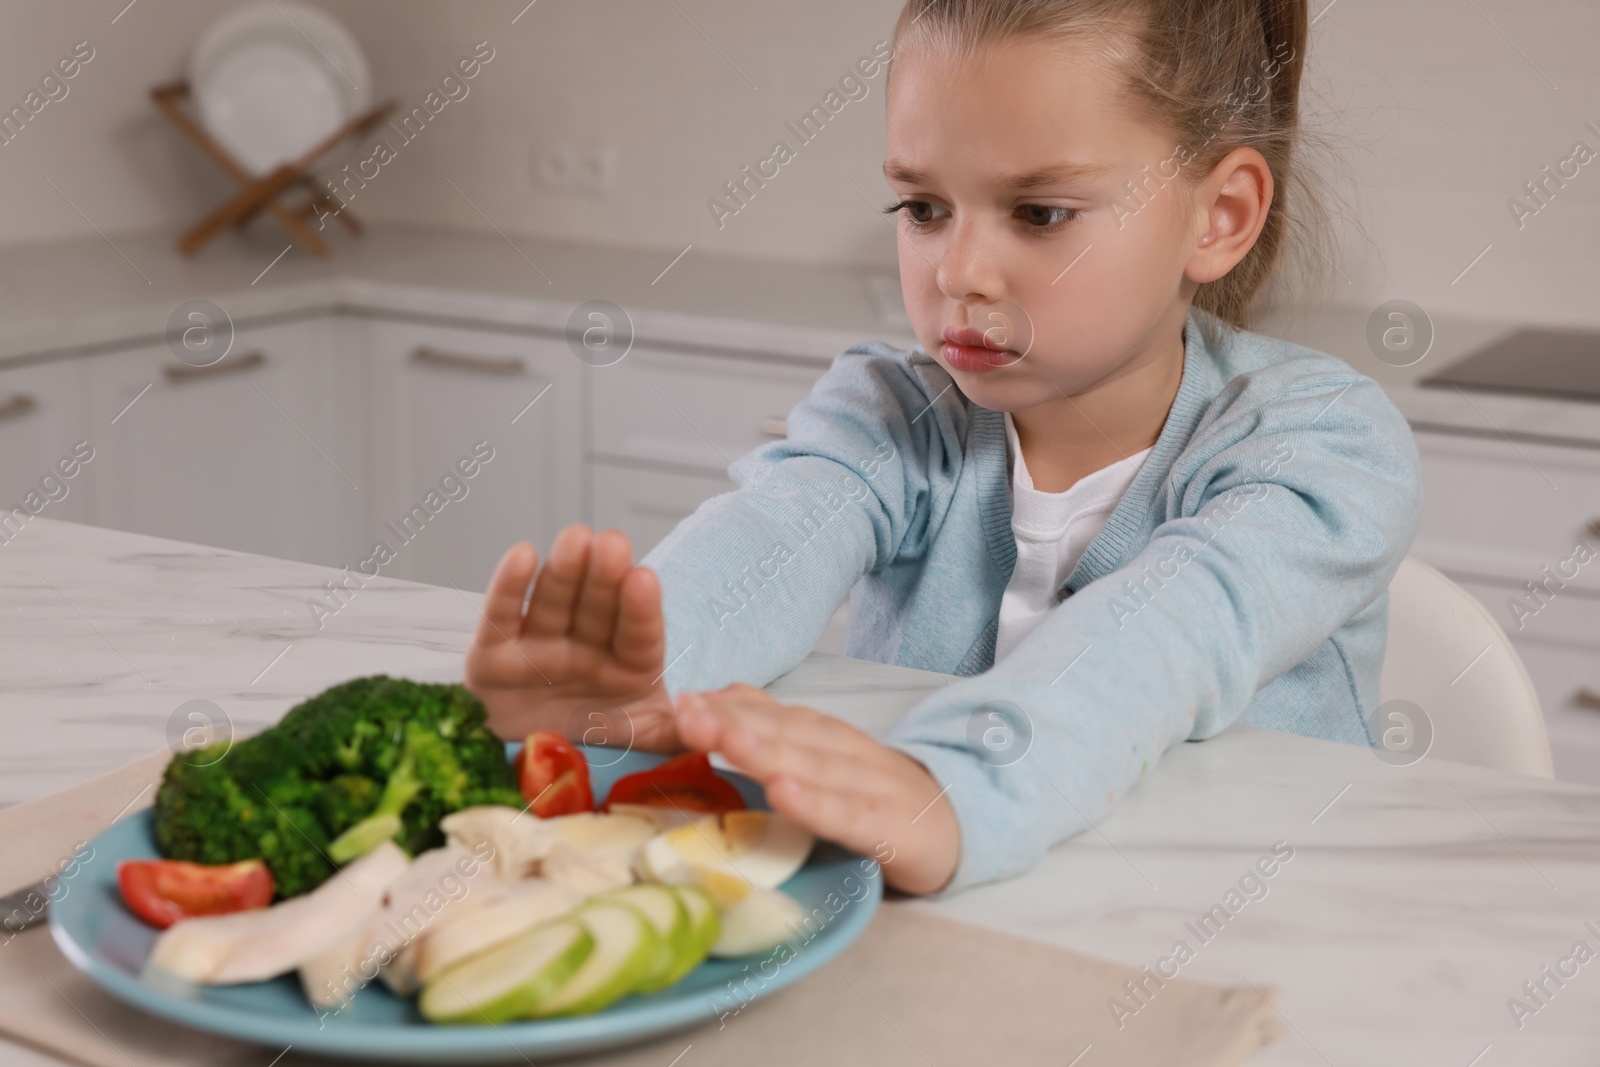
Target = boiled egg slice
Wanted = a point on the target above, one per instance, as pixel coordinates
(758, 847)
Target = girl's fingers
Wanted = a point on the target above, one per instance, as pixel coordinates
(556, 589)
(765, 739)
(708, 722)
(502, 603)
(640, 640)
(698, 727)
(826, 766)
(846, 818)
(595, 616)
(769, 722)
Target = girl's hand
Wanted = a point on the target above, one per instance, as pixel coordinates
(834, 780)
(586, 657)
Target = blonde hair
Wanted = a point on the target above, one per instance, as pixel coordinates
(1219, 74)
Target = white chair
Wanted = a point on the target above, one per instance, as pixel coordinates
(1448, 656)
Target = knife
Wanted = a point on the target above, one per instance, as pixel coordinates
(27, 907)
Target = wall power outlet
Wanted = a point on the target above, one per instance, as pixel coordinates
(571, 166)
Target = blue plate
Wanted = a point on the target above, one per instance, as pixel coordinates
(105, 941)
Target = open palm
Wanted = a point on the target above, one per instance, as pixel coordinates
(585, 657)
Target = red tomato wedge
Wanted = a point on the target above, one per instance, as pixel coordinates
(163, 891)
(553, 775)
(686, 782)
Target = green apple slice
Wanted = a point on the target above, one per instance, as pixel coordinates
(705, 926)
(670, 920)
(624, 949)
(505, 982)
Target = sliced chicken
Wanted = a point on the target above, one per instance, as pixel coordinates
(442, 883)
(438, 883)
(614, 834)
(530, 903)
(588, 871)
(253, 946)
(519, 839)
(331, 979)
(400, 973)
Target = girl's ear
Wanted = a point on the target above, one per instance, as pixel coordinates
(1230, 210)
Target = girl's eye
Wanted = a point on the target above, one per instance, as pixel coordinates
(922, 214)
(919, 214)
(1045, 216)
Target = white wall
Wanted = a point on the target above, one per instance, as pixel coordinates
(1439, 117)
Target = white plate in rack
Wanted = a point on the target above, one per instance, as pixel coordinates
(270, 80)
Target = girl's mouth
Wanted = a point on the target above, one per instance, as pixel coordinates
(975, 352)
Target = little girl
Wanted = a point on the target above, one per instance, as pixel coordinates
(1119, 517)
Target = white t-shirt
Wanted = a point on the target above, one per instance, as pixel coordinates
(1052, 531)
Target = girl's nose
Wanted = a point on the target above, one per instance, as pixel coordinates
(968, 269)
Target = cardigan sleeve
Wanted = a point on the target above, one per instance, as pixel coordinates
(1290, 515)
(751, 578)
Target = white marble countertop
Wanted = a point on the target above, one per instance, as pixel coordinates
(1418, 900)
(60, 298)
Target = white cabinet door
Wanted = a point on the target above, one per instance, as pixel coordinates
(477, 444)
(1508, 510)
(646, 505)
(695, 411)
(259, 452)
(42, 422)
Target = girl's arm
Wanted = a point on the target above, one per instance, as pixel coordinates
(750, 580)
(1298, 509)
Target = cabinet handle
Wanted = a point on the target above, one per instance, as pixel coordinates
(775, 426)
(1588, 698)
(183, 372)
(435, 357)
(17, 405)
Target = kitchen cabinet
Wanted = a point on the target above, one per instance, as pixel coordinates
(1510, 509)
(317, 439)
(42, 418)
(259, 451)
(695, 411)
(445, 400)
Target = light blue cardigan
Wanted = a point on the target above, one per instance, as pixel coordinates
(1242, 578)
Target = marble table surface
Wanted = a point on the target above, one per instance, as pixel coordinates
(1418, 899)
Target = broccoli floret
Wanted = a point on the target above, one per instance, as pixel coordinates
(426, 783)
(346, 800)
(365, 761)
(295, 847)
(207, 812)
(503, 796)
(201, 814)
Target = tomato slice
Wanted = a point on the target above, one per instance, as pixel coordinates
(553, 775)
(161, 892)
(687, 782)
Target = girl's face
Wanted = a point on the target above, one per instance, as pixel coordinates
(1018, 237)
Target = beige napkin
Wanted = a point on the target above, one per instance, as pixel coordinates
(914, 989)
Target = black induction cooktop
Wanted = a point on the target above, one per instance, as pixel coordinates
(1535, 361)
